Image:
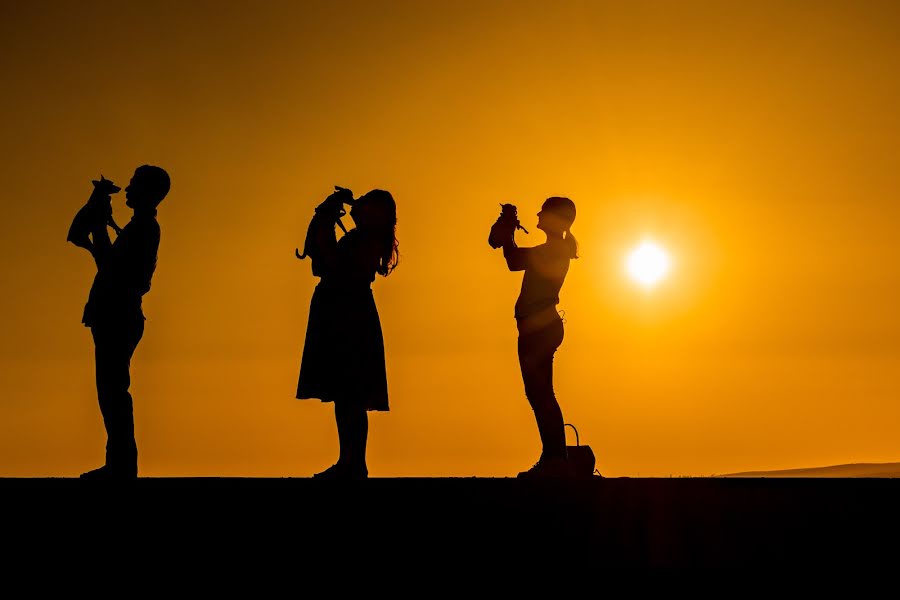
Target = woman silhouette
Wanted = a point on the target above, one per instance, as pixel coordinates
(540, 326)
(343, 356)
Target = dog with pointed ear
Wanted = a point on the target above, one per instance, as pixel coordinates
(96, 212)
(505, 226)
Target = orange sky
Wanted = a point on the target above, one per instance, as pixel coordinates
(758, 142)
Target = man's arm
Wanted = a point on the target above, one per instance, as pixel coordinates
(101, 247)
(138, 256)
(132, 259)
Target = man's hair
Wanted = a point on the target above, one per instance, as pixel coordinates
(155, 182)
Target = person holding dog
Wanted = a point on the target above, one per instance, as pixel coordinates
(113, 312)
(343, 354)
(539, 324)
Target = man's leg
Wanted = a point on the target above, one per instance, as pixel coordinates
(114, 345)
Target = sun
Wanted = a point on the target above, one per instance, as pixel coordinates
(648, 264)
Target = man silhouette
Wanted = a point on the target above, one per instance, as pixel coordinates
(113, 312)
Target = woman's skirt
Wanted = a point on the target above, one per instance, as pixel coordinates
(343, 356)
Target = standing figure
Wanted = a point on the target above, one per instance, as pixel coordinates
(343, 355)
(113, 310)
(539, 324)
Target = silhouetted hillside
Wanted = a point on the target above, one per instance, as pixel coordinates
(855, 470)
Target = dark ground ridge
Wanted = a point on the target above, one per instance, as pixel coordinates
(611, 522)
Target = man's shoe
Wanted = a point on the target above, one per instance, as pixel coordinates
(106, 473)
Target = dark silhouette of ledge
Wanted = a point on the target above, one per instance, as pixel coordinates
(475, 522)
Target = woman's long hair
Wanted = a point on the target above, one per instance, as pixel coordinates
(564, 209)
(385, 231)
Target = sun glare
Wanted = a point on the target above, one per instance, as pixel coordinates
(648, 264)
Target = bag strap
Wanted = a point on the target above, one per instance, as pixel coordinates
(577, 442)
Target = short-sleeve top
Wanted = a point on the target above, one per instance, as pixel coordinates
(545, 269)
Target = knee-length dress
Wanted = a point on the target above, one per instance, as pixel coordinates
(343, 355)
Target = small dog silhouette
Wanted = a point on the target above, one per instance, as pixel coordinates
(95, 213)
(332, 209)
(505, 226)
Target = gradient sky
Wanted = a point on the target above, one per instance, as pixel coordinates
(759, 142)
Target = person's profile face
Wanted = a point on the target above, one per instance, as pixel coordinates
(550, 222)
(357, 210)
(129, 193)
(136, 195)
(363, 213)
(133, 195)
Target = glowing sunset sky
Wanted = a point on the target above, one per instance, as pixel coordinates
(759, 143)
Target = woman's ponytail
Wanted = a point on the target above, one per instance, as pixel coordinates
(572, 243)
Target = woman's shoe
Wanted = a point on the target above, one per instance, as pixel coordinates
(341, 472)
(548, 468)
(335, 471)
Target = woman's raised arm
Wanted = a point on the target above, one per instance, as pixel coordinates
(517, 259)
